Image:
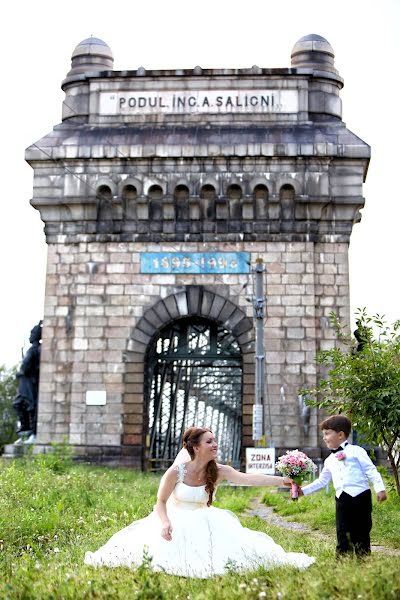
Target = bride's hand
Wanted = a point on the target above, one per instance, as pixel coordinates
(166, 531)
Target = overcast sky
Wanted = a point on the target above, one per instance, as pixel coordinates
(36, 44)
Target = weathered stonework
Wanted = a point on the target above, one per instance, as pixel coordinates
(285, 187)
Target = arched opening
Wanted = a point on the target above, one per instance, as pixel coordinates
(181, 197)
(286, 199)
(235, 201)
(207, 195)
(260, 196)
(104, 209)
(194, 377)
(129, 198)
(155, 195)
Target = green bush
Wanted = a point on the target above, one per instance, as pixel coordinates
(8, 416)
(363, 381)
(58, 459)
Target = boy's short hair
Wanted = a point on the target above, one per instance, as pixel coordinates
(337, 423)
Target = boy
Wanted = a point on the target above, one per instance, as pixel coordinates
(349, 467)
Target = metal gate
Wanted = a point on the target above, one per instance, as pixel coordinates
(195, 378)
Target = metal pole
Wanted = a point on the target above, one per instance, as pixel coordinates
(258, 408)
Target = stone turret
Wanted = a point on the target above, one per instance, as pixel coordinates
(314, 54)
(313, 51)
(91, 55)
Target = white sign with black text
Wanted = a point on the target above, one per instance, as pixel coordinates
(260, 460)
(199, 101)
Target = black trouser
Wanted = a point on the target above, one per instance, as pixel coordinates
(26, 414)
(354, 523)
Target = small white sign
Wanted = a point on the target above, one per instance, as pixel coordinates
(257, 422)
(96, 397)
(260, 460)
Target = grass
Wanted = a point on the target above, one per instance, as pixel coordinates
(52, 511)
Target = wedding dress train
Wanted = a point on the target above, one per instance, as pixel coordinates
(206, 541)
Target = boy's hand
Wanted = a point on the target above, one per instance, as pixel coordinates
(381, 496)
(300, 491)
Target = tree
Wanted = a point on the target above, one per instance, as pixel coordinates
(363, 381)
(8, 417)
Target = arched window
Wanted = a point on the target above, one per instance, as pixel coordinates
(207, 195)
(286, 200)
(104, 209)
(129, 198)
(181, 197)
(155, 195)
(235, 201)
(260, 197)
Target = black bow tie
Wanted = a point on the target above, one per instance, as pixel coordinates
(337, 449)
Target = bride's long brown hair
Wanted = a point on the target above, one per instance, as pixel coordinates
(192, 438)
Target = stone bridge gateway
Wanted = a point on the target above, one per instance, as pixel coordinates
(158, 191)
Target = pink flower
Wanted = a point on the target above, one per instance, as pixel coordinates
(340, 455)
(295, 464)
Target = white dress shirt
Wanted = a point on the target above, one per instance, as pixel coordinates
(350, 475)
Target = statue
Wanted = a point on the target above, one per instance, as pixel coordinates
(25, 402)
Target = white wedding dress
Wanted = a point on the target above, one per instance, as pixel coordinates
(206, 541)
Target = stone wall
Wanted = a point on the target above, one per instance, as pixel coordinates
(96, 333)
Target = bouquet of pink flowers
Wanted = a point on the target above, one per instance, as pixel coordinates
(297, 466)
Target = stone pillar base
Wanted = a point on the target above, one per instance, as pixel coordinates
(13, 451)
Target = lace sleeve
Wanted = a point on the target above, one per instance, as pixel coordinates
(180, 472)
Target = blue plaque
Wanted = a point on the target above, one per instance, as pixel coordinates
(195, 262)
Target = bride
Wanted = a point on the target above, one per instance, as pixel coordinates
(185, 535)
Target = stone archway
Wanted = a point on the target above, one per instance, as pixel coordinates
(194, 377)
(189, 301)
